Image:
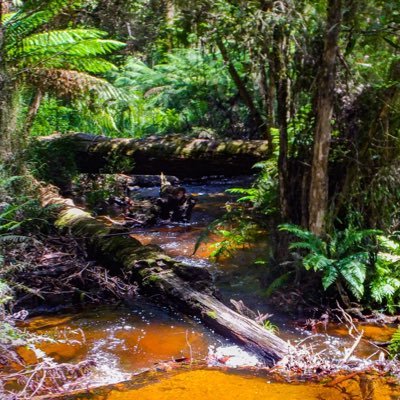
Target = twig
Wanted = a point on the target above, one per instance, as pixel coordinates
(352, 348)
(190, 347)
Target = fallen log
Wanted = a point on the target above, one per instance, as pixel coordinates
(174, 154)
(188, 288)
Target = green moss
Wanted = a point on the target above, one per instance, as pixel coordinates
(71, 216)
(153, 278)
(212, 314)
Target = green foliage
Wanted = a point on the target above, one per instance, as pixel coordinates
(62, 168)
(270, 327)
(241, 225)
(188, 89)
(385, 277)
(237, 236)
(394, 346)
(212, 314)
(343, 257)
(233, 231)
(65, 62)
(366, 261)
(263, 195)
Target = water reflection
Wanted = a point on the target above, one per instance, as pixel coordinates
(122, 341)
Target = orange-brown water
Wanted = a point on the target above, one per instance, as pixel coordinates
(123, 340)
(216, 385)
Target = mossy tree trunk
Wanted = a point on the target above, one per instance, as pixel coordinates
(173, 155)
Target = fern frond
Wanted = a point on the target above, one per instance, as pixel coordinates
(12, 239)
(24, 22)
(277, 283)
(74, 84)
(317, 262)
(306, 236)
(351, 237)
(330, 276)
(394, 347)
(353, 272)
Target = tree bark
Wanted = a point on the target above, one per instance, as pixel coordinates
(267, 98)
(188, 288)
(5, 98)
(33, 110)
(281, 81)
(318, 199)
(173, 155)
(244, 93)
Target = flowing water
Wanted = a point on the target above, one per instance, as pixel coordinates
(126, 341)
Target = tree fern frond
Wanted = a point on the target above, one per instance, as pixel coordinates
(85, 48)
(80, 64)
(25, 22)
(60, 37)
(354, 274)
(382, 289)
(304, 246)
(74, 84)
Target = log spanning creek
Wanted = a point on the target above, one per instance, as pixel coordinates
(148, 351)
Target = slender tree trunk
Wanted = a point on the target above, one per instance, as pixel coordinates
(5, 100)
(281, 81)
(318, 201)
(32, 111)
(169, 19)
(267, 102)
(243, 91)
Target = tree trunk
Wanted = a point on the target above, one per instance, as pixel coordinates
(5, 99)
(268, 102)
(173, 155)
(318, 200)
(32, 111)
(188, 288)
(281, 81)
(259, 125)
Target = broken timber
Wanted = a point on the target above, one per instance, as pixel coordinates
(190, 289)
(174, 154)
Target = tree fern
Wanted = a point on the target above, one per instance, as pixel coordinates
(59, 62)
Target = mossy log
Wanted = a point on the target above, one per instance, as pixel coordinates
(188, 288)
(173, 154)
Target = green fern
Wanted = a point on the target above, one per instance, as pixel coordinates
(277, 283)
(343, 257)
(394, 346)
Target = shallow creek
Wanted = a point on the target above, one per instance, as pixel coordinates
(125, 341)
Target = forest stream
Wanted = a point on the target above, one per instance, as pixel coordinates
(126, 342)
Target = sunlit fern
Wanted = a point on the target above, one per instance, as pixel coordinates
(394, 346)
(345, 256)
